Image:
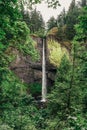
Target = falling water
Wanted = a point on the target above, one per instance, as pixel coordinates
(44, 89)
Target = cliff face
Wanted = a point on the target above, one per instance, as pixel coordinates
(31, 72)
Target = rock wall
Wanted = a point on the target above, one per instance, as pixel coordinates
(31, 72)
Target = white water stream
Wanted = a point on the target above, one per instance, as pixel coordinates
(44, 89)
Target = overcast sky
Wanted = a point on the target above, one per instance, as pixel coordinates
(48, 12)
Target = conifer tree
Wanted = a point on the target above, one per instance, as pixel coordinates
(36, 21)
(71, 20)
(83, 3)
(51, 23)
(72, 5)
(68, 97)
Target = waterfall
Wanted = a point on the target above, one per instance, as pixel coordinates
(44, 89)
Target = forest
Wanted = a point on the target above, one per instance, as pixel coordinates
(66, 104)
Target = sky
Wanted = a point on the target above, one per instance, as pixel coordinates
(49, 12)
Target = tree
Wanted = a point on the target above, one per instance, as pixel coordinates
(83, 3)
(68, 97)
(14, 34)
(61, 24)
(61, 19)
(36, 21)
(81, 28)
(81, 36)
(66, 22)
(51, 23)
(29, 3)
(71, 20)
(72, 5)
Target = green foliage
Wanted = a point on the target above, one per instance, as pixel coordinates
(61, 19)
(67, 21)
(53, 4)
(67, 104)
(56, 52)
(67, 101)
(14, 34)
(22, 41)
(52, 32)
(72, 123)
(71, 20)
(59, 95)
(61, 34)
(77, 123)
(50, 3)
(67, 95)
(20, 117)
(17, 107)
(35, 89)
(81, 27)
(5, 127)
(34, 21)
(51, 23)
(11, 86)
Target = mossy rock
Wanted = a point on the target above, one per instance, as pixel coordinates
(53, 31)
(56, 52)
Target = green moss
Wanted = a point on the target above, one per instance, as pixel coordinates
(56, 52)
(35, 88)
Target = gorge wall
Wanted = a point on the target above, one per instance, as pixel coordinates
(29, 71)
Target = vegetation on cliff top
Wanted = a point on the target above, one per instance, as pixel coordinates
(56, 52)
